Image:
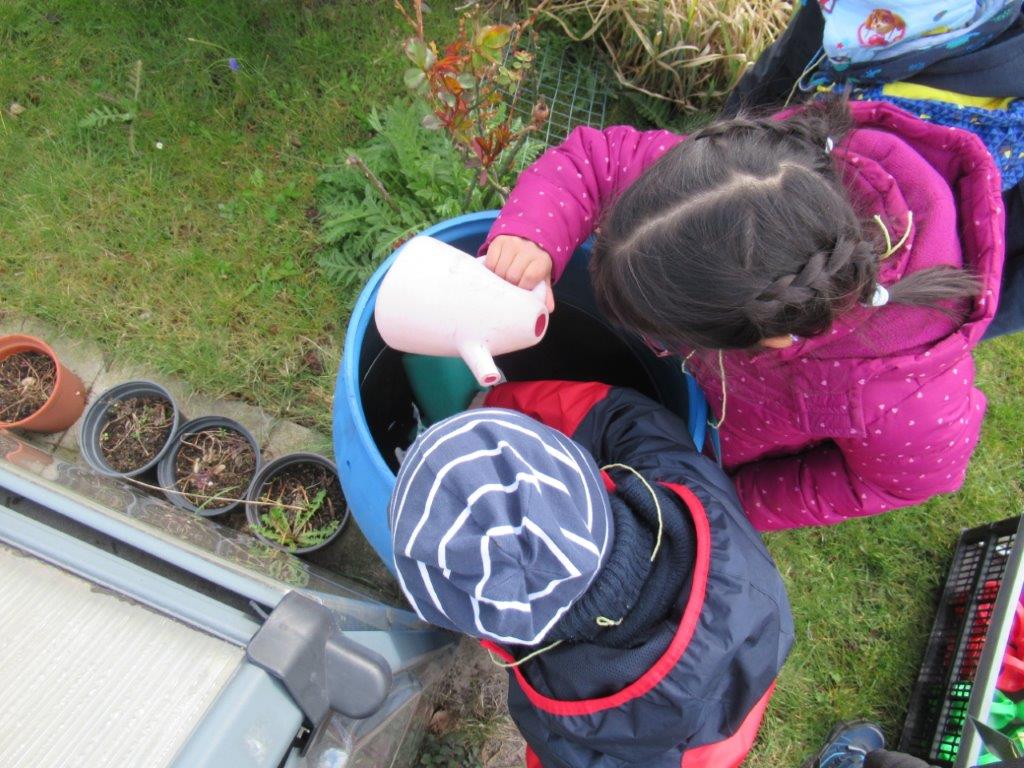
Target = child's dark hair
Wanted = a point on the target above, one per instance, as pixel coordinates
(744, 232)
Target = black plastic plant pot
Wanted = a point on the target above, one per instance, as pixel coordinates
(304, 469)
(111, 442)
(205, 455)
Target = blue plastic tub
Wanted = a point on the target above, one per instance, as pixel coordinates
(369, 425)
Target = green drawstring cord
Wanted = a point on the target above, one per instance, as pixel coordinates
(657, 502)
(807, 70)
(602, 621)
(513, 664)
(721, 378)
(890, 248)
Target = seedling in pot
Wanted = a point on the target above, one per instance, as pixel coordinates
(299, 506)
(136, 432)
(213, 467)
(293, 527)
(27, 380)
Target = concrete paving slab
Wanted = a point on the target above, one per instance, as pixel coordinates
(10, 322)
(288, 437)
(249, 416)
(115, 374)
(99, 373)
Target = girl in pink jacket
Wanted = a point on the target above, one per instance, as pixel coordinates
(824, 274)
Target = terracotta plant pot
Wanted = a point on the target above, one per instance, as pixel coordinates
(67, 399)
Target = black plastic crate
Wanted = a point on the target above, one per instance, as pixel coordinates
(939, 703)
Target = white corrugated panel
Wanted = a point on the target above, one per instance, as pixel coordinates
(89, 679)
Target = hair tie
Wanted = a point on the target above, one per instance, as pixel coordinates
(830, 144)
(879, 298)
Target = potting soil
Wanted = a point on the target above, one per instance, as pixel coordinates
(136, 430)
(298, 485)
(27, 380)
(212, 465)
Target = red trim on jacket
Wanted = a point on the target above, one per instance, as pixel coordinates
(730, 752)
(560, 404)
(668, 659)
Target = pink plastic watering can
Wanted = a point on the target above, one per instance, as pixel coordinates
(438, 300)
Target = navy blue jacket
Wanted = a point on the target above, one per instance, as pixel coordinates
(692, 693)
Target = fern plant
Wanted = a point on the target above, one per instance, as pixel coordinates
(105, 114)
(118, 110)
(402, 180)
(457, 147)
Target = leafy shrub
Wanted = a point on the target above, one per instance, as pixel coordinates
(449, 751)
(471, 86)
(293, 527)
(404, 179)
(457, 147)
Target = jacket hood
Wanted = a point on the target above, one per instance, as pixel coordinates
(935, 192)
(689, 684)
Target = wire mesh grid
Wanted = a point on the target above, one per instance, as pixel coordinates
(573, 83)
(938, 705)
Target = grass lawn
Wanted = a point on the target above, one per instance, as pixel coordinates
(197, 259)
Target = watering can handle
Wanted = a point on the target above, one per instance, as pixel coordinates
(539, 291)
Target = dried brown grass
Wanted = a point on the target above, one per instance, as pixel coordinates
(689, 52)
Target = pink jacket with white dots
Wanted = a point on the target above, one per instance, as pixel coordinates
(881, 411)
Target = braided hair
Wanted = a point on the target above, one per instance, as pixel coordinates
(743, 233)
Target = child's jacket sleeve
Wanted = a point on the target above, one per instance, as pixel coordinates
(918, 441)
(557, 201)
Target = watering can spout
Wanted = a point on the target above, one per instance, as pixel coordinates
(480, 362)
(438, 300)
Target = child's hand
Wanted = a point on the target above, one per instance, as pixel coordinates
(522, 263)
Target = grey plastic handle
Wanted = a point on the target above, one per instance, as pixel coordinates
(321, 668)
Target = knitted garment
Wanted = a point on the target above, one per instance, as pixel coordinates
(630, 592)
(1002, 130)
(499, 524)
(616, 588)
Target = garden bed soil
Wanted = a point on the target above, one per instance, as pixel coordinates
(27, 380)
(135, 432)
(214, 464)
(297, 484)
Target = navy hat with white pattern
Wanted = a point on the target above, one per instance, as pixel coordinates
(499, 525)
